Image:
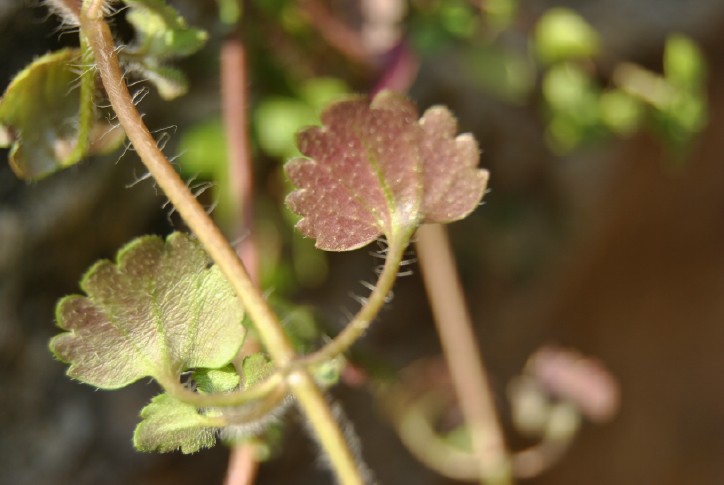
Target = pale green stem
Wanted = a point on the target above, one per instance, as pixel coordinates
(259, 392)
(266, 322)
(374, 303)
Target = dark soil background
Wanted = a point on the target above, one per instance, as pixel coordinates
(612, 251)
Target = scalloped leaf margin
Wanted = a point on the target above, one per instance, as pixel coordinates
(374, 169)
(160, 310)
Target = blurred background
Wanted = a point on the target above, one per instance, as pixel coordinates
(602, 124)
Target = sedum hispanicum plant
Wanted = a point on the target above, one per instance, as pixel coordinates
(175, 310)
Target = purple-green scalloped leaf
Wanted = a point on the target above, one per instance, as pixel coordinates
(374, 169)
(159, 311)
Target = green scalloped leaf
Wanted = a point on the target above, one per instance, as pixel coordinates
(161, 32)
(44, 121)
(159, 311)
(217, 380)
(373, 168)
(255, 368)
(170, 425)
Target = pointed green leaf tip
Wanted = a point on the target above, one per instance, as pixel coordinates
(374, 169)
(169, 425)
(160, 310)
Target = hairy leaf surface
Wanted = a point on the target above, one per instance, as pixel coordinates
(374, 168)
(170, 425)
(158, 311)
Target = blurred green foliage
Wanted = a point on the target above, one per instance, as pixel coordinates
(563, 35)
(579, 109)
(161, 34)
(581, 101)
(277, 119)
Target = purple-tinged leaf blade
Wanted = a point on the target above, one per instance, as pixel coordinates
(372, 169)
(159, 311)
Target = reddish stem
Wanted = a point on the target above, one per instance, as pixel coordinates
(335, 32)
(234, 98)
(243, 465)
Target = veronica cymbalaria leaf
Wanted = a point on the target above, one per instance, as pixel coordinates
(40, 117)
(374, 169)
(168, 425)
(159, 311)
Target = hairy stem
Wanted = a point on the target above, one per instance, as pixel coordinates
(469, 377)
(220, 251)
(270, 331)
(373, 304)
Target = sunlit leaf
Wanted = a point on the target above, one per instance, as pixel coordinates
(374, 169)
(684, 63)
(39, 117)
(562, 34)
(620, 111)
(161, 32)
(169, 425)
(217, 380)
(256, 367)
(158, 311)
(277, 119)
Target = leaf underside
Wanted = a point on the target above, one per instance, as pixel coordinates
(374, 169)
(158, 311)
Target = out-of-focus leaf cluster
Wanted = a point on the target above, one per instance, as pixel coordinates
(580, 109)
(581, 102)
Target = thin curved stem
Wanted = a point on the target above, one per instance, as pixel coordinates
(270, 330)
(374, 303)
(219, 249)
(469, 377)
(239, 397)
